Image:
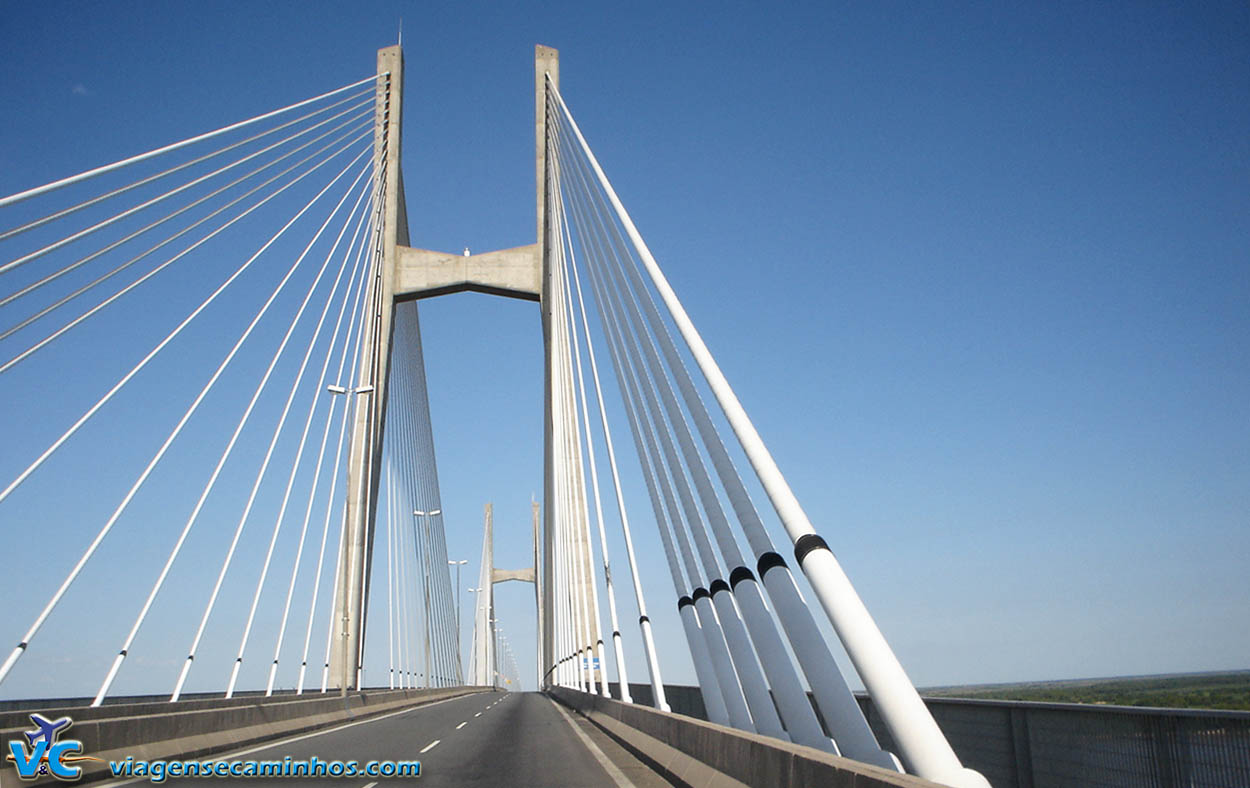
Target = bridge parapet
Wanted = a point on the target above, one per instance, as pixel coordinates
(695, 752)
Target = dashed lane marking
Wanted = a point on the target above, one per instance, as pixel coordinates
(430, 746)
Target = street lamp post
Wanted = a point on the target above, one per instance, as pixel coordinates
(459, 645)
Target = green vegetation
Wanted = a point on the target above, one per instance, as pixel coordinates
(1178, 691)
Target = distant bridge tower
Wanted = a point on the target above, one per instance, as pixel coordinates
(484, 661)
(408, 273)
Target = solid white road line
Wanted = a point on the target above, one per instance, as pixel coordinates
(616, 774)
(430, 746)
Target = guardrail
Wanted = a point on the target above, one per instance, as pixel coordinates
(1021, 744)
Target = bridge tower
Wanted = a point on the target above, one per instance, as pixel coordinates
(484, 659)
(409, 273)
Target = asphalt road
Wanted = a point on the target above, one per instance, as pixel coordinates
(487, 739)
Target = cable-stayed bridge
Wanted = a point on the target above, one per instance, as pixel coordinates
(218, 342)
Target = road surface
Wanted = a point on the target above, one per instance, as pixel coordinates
(486, 739)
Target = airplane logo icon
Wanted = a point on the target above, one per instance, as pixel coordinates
(48, 729)
(45, 753)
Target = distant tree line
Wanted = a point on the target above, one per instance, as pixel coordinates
(1195, 691)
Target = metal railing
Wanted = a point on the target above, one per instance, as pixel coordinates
(1021, 744)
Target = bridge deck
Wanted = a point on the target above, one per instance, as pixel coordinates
(480, 740)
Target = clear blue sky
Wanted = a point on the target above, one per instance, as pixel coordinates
(980, 274)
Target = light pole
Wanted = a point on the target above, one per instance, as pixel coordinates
(425, 570)
(459, 645)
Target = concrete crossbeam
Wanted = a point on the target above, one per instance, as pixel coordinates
(504, 575)
(513, 273)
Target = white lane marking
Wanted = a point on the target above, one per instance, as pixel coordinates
(461, 725)
(479, 714)
(616, 774)
(430, 746)
(284, 742)
(368, 785)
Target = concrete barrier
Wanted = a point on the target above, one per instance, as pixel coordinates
(171, 731)
(694, 752)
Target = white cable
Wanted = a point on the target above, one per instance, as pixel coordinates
(143, 362)
(561, 371)
(286, 409)
(644, 620)
(82, 176)
(405, 619)
(404, 439)
(749, 674)
(922, 744)
(399, 437)
(660, 448)
(299, 452)
(325, 528)
(251, 405)
(652, 660)
(712, 695)
(622, 672)
(741, 673)
(348, 412)
(72, 237)
(345, 448)
(390, 554)
(21, 647)
(841, 711)
(134, 630)
(594, 483)
(151, 178)
(370, 435)
(47, 279)
(573, 493)
(338, 563)
(415, 407)
(44, 342)
(577, 388)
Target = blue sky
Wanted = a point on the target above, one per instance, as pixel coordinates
(980, 274)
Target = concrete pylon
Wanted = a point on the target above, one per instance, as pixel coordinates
(365, 458)
(407, 273)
